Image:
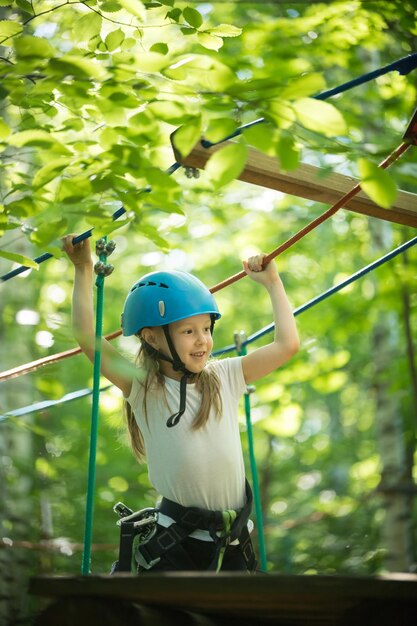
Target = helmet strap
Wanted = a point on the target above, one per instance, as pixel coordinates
(175, 418)
(178, 366)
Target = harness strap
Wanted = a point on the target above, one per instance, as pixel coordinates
(188, 519)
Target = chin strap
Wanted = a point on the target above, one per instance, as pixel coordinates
(175, 418)
(178, 366)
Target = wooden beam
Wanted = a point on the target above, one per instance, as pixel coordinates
(310, 182)
(226, 598)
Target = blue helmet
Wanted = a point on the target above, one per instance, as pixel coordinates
(160, 298)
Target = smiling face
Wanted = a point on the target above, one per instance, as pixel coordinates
(192, 340)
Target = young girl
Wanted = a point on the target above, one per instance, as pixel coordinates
(182, 407)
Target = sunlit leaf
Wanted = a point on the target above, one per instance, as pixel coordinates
(74, 189)
(114, 39)
(303, 86)
(32, 137)
(77, 66)
(49, 171)
(4, 130)
(226, 164)
(28, 46)
(209, 41)
(186, 137)
(377, 183)
(322, 117)
(226, 30)
(135, 7)
(201, 69)
(87, 26)
(262, 137)
(287, 153)
(8, 29)
(19, 258)
(219, 128)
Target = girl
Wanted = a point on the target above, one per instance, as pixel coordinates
(182, 407)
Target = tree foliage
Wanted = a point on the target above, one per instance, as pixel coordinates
(91, 93)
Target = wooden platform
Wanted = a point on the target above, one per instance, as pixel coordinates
(209, 599)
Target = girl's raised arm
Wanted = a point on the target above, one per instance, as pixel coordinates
(266, 359)
(114, 366)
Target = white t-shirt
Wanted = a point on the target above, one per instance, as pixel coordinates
(203, 467)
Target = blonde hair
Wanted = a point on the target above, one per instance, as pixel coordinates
(207, 383)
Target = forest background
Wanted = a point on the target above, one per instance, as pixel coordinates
(90, 94)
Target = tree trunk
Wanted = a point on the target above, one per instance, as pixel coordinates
(394, 486)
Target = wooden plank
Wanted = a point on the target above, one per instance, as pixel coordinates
(272, 599)
(310, 182)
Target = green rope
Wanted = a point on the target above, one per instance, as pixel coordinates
(242, 351)
(102, 270)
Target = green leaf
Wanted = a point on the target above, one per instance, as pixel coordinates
(220, 128)
(135, 7)
(226, 30)
(377, 183)
(322, 117)
(51, 230)
(73, 190)
(77, 66)
(114, 39)
(193, 17)
(161, 48)
(9, 29)
(110, 7)
(19, 258)
(262, 137)
(174, 15)
(151, 233)
(186, 137)
(303, 86)
(87, 27)
(288, 154)
(28, 46)
(4, 130)
(32, 137)
(201, 69)
(168, 111)
(25, 6)
(226, 164)
(209, 41)
(49, 171)
(281, 113)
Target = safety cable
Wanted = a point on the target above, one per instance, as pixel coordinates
(385, 164)
(102, 269)
(54, 358)
(403, 66)
(39, 406)
(240, 347)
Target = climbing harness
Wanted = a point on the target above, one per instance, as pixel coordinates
(224, 528)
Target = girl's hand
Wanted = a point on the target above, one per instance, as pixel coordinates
(264, 274)
(80, 253)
